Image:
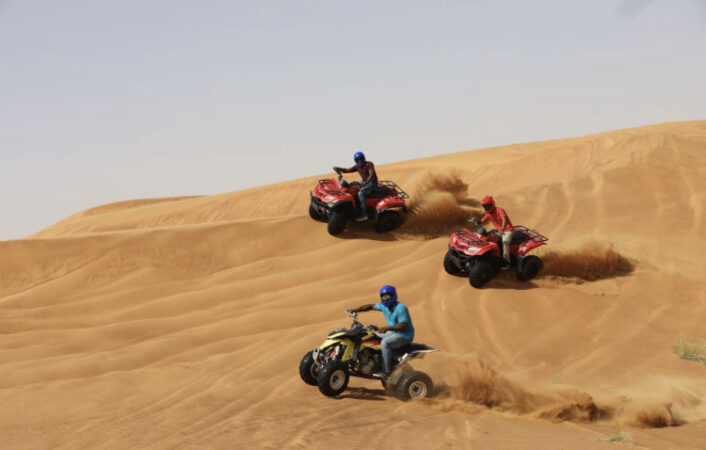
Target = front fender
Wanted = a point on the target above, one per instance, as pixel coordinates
(343, 207)
(347, 345)
(481, 252)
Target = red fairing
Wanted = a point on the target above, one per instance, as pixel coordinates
(385, 203)
(330, 191)
(526, 247)
(475, 244)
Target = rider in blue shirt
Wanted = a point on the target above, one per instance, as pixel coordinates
(399, 330)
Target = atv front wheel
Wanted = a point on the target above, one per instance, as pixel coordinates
(530, 268)
(336, 223)
(308, 370)
(414, 385)
(481, 272)
(388, 221)
(315, 214)
(449, 265)
(333, 378)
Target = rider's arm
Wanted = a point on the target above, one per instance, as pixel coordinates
(402, 326)
(363, 308)
(502, 227)
(344, 170)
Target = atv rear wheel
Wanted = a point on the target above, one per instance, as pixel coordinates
(336, 223)
(388, 221)
(414, 385)
(315, 214)
(449, 266)
(481, 272)
(333, 378)
(308, 370)
(530, 268)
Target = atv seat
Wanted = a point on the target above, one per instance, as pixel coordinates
(409, 348)
(379, 192)
(518, 237)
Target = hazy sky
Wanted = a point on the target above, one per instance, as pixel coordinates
(103, 101)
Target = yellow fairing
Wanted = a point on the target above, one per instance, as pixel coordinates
(370, 345)
(347, 345)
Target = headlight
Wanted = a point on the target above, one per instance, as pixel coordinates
(329, 197)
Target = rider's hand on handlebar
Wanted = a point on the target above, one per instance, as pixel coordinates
(337, 169)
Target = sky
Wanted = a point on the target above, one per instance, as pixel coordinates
(110, 100)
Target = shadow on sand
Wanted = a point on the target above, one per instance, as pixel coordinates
(360, 393)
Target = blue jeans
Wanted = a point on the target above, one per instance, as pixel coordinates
(364, 190)
(390, 341)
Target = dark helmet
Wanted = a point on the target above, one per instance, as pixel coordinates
(388, 295)
(359, 159)
(488, 203)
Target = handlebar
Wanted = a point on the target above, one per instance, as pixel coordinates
(354, 316)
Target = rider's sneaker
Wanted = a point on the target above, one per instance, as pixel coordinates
(382, 375)
(361, 218)
(506, 265)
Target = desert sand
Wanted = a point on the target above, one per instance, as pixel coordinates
(180, 322)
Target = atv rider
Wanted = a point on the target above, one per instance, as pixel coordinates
(399, 331)
(501, 221)
(366, 169)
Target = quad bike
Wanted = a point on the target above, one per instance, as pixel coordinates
(356, 352)
(336, 202)
(480, 253)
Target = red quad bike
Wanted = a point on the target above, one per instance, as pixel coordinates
(480, 253)
(336, 202)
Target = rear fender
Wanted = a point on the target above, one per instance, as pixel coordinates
(528, 246)
(417, 354)
(389, 203)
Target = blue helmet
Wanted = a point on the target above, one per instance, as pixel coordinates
(388, 295)
(359, 159)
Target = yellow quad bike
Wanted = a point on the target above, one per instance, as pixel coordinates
(356, 351)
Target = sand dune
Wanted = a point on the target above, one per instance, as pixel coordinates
(180, 322)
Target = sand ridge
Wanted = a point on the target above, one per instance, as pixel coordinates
(179, 323)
